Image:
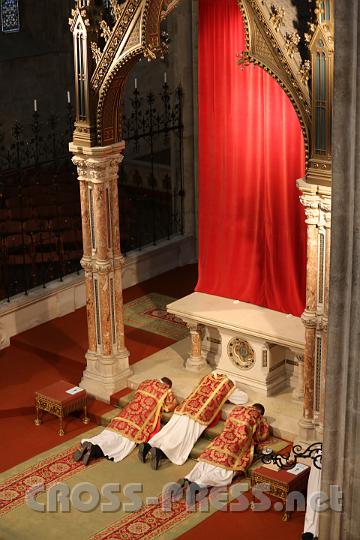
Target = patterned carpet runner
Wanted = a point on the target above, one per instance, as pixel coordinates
(149, 313)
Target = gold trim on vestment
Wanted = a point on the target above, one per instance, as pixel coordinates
(156, 414)
(237, 457)
(225, 381)
(195, 416)
(239, 422)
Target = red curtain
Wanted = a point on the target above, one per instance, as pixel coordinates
(252, 236)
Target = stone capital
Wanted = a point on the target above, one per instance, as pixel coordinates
(325, 211)
(103, 267)
(87, 264)
(112, 150)
(309, 319)
(193, 326)
(323, 324)
(305, 187)
(119, 261)
(97, 165)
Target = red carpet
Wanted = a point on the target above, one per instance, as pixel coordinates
(56, 350)
(248, 525)
(50, 352)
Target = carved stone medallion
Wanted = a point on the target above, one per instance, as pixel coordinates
(241, 353)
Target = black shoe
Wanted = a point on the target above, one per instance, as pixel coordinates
(156, 456)
(307, 536)
(144, 449)
(192, 491)
(183, 482)
(174, 492)
(79, 453)
(87, 454)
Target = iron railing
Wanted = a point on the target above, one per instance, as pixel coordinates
(152, 169)
(40, 218)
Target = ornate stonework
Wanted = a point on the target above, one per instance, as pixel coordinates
(317, 204)
(267, 47)
(241, 353)
(107, 357)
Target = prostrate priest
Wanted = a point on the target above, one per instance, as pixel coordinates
(177, 438)
(135, 424)
(232, 451)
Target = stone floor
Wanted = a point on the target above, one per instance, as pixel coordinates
(282, 411)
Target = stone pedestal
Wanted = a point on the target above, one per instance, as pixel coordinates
(310, 201)
(107, 357)
(195, 362)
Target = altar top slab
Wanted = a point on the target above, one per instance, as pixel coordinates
(241, 317)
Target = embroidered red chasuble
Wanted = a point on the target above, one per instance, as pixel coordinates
(205, 402)
(140, 418)
(233, 449)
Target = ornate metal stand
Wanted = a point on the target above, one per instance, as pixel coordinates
(288, 461)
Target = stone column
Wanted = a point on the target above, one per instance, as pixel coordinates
(107, 357)
(341, 456)
(181, 23)
(298, 392)
(310, 201)
(195, 362)
(325, 210)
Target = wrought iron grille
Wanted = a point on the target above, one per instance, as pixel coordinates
(40, 225)
(40, 217)
(152, 171)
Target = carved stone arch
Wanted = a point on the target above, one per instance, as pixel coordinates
(108, 114)
(116, 36)
(269, 49)
(142, 40)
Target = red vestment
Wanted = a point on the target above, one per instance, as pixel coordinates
(205, 402)
(140, 418)
(233, 449)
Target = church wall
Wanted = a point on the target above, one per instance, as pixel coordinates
(36, 62)
(59, 299)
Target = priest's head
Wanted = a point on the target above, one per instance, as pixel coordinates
(259, 407)
(166, 381)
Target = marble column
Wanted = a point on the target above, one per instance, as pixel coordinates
(325, 209)
(298, 392)
(107, 357)
(341, 456)
(195, 362)
(310, 201)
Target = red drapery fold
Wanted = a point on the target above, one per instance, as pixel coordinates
(252, 235)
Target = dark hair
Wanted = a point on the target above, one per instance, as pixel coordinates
(259, 407)
(167, 381)
(307, 536)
